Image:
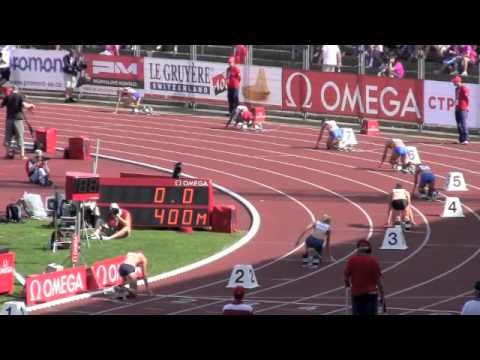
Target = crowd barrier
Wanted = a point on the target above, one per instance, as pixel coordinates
(404, 100)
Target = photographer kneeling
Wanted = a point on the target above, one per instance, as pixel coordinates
(118, 224)
(37, 169)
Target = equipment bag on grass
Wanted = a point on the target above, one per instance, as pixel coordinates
(34, 204)
(13, 213)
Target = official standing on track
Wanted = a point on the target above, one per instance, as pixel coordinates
(472, 307)
(237, 307)
(14, 123)
(233, 85)
(363, 275)
(462, 100)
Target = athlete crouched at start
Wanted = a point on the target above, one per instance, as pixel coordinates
(426, 187)
(130, 98)
(400, 206)
(129, 275)
(320, 237)
(334, 140)
(399, 157)
(241, 115)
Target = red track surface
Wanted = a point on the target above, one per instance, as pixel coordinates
(288, 183)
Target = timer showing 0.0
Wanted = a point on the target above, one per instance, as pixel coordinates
(181, 196)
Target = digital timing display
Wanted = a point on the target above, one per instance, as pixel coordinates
(82, 186)
(87, 185)
(160, 201)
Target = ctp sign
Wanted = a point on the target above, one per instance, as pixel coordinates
(439, 107)
(353, 95)
(104, 273)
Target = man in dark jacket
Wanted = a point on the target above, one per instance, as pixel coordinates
(14, 122)
(72, 66)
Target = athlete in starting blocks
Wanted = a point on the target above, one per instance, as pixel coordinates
(128, 273)
(242, 115)
(334, 140)
(319, 238)
(399, 157)
(400, 206)
(132, 99)
(426, 187)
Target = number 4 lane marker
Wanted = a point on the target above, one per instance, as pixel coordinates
(452, 208)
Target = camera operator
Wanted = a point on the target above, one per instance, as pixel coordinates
(73, 65)
(117, 226)
(37, 168)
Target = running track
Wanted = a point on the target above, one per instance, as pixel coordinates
(289, 183)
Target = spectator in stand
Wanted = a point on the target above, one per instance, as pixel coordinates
(233, 85)
(331, 58)
(240, 53)
(472, 307)
(111, 50)
(363, 275)
(167, 48)
(5, 55)
(450, 60)
(393, 68)
(237, 307)
(467, 56)
(375, 56)
(462, 102)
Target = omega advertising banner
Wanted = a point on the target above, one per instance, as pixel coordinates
(439, 107)
(206, 81)
(353, 95)
(55, 285)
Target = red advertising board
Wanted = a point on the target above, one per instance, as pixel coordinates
(7, 270)
(353, 95)
(115, 71)
(105, 274)
(56, 285)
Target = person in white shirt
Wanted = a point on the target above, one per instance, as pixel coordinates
(331, 58)
(5, 55)
(334, 135)
(320, 237)
(472, 307)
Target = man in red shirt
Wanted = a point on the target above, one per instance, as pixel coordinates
(233, 85)
(240, 54)
(237, 307)
(363, 275)
(462, 100)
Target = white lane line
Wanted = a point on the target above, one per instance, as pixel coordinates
(469, 292)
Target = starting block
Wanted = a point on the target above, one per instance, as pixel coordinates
(348, 137)
(243, 275)
(14, 308)
(370, 127)
(453, 208)
(455, 182)
(413, 156)
(394, 239)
